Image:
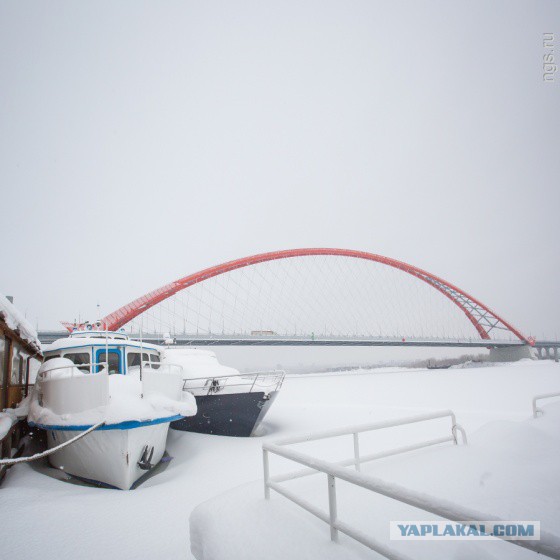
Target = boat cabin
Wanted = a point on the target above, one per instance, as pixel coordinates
(90, 349)
(20, 359)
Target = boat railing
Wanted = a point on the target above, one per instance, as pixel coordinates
(160, 367)
(43, 375)
(269, 381)
(538, 411)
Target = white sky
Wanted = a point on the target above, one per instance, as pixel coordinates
(142, 141)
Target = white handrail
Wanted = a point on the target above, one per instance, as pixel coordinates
(43, 374)
(272, 373)
(364, 459)
(314, 436)
(549, 545)
(160, 367)
(537, 411)
(215, 384)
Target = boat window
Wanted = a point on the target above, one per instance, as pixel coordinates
(114, 361)
(23, 365)
(154, 358)
(52, 357)
(145, 358)
(3, 364)
(17, 366)
(34, 365)
(79, 359)
(133, 359)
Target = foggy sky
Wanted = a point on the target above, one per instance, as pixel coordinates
(143, 141)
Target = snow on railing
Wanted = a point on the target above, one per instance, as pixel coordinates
(269, 380)
(537, 411)
(44, 375)
(549, 545)
(161, 367)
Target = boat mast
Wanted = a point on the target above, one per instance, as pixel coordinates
(141, 351)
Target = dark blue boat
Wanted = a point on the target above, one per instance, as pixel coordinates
(228, 414)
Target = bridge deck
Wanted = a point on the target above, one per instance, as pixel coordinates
(276, 340)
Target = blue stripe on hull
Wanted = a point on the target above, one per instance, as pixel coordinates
(127, 425)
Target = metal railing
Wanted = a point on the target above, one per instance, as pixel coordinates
(549, 545)
(42, 375)
(157, 366)
(268, 381)
(537, 411)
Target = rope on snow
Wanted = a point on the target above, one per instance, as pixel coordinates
(10, 462)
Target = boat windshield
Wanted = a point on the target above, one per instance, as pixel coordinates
(114, 361)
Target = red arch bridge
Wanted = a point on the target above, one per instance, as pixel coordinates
(314, 297)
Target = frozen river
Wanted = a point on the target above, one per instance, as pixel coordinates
(45, 518)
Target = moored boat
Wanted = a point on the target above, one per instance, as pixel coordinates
(120, 385)
(229, 403)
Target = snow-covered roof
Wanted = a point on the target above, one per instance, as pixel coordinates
(80, 341)
(197, 364)
(18, 323)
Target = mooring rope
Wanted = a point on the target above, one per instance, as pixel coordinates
(10, 462)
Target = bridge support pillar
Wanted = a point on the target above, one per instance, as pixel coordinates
(540, 353)
(512, 354)
(555, 354)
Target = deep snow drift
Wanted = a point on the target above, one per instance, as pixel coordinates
(47, 518)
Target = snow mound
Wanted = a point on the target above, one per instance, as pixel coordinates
(197, 363)
(59, 368)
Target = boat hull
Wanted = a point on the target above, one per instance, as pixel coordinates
(228, 414)
(109, 456)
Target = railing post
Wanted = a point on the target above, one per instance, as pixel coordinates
(332, 507)
(535, 409)
(356, 451)
(254, 381)
(266, 475)
(453, 428)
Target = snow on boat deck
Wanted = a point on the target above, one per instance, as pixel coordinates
(46, 518)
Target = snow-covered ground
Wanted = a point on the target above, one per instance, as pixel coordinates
(43, 517)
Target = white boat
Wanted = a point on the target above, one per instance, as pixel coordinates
(100, 377)
(229, 403)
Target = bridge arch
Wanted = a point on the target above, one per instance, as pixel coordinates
(482, 317)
